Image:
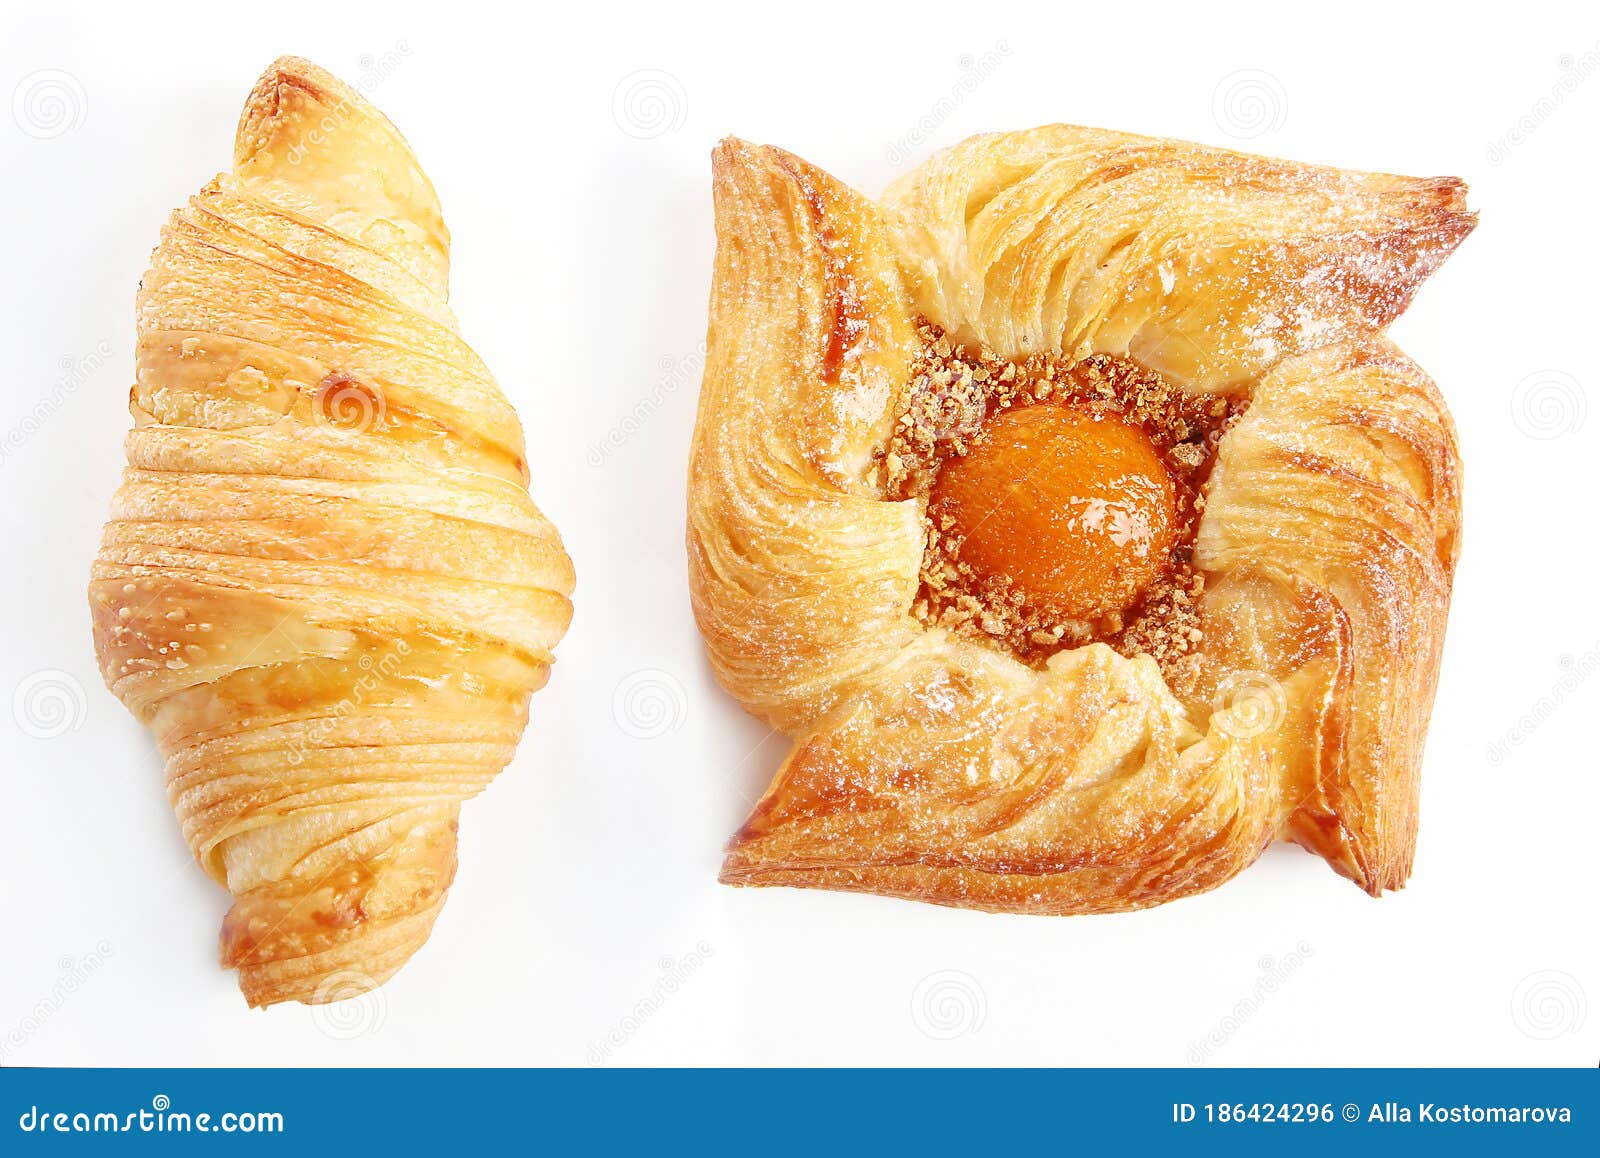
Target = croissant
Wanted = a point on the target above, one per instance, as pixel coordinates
(1070, 512)
(323, 586)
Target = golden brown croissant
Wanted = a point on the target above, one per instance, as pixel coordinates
(323, 586)
(1070, 512)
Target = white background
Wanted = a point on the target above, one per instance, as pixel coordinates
(570, 144)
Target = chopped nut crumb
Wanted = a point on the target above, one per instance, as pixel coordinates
(952, 391)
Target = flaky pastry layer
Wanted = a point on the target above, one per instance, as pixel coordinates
(942, 769)
(324, 585)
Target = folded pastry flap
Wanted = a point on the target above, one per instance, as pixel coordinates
(802, 577)
(225, 321)
(156, 635)
(292, 460)
(1204, 264)
(374, 525)
(231, 212)
(339, 594)
(305, 958)
(195, 380)
(303, 847)
(1341, 487)
(960, 765)
(316, 771)
(161, 634)
(819, 253)
(315, 931)
(296, 768)
(1278, 651)
(312, 143)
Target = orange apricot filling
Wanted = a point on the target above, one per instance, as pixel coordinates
(1071, 504)
(1061, 498)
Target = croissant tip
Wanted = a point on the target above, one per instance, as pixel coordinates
(289, 62)
(734, 153)
(265, 104)
(294, 68)
(285, 70)
(724, 154)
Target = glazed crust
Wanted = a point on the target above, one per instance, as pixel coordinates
(324, 585)
(1204, 264)
(1332, 529)
(931, 766)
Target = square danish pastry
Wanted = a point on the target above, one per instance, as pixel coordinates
(1070, 511)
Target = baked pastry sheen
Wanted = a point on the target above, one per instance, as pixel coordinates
(324, 586)
(932, 759)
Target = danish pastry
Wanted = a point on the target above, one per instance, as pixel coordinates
(1069, 510)
(323, 586)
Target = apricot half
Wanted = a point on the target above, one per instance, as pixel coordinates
(1071, 504)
